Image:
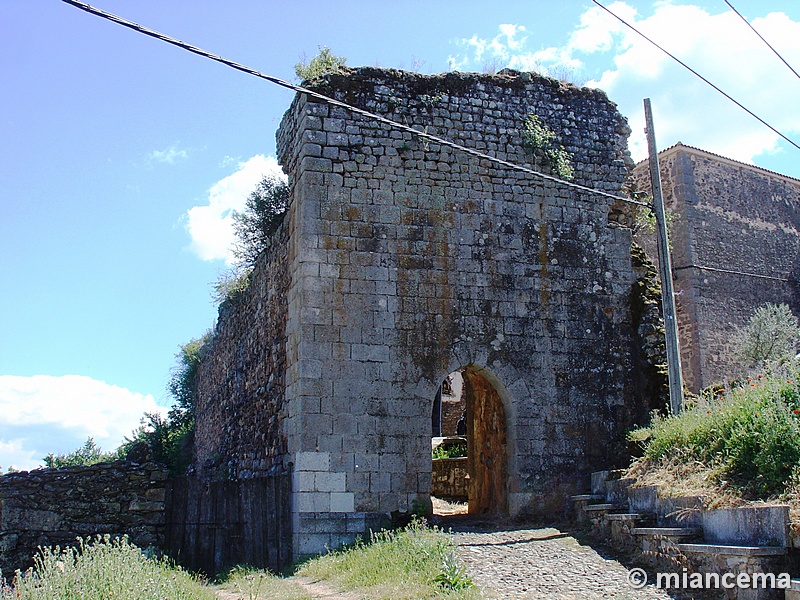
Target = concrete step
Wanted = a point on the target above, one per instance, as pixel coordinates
(671, 532)
(628, 517)
(604, 507)
(733, 550)
(588, 497)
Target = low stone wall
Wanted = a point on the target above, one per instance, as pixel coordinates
(49, 507)
(449, 478)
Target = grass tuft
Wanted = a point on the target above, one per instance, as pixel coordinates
(407, 564)
(746, 438)
(103, 568)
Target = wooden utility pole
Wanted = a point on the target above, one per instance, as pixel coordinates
(665, 269)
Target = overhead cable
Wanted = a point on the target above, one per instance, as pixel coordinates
(750, 25)
(316, 95)
(733, 272)
(691, 70)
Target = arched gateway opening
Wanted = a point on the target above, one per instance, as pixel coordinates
(468, 411)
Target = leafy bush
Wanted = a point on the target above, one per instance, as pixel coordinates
(538, 136)
(231, 284)
(322, 64)
(263, 213)
(749, 436)
(772, 334)
(171, 439)
(88, 454)
(411, 563)
(454, 451)
(103, 568)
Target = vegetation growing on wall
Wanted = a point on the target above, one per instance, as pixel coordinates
(538, 136)
(253, 227)
(261, 217)
(322, 64)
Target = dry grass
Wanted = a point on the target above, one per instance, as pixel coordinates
(675, 478)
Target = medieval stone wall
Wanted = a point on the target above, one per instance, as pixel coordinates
(240, 381)
(49, 507)
(728, 217)
(414, 260)
(404, 261)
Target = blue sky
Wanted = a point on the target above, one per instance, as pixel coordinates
(121, 156)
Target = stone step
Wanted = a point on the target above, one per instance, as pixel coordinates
(668, 531)
(733, 550)
(603, 507)
(628, 517)
(589, 497)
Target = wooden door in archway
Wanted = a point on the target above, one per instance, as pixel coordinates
(486, 442)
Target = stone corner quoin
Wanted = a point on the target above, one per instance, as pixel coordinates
(400, 261)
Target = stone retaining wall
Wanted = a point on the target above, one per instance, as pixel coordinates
(449, 479)
(48, 507)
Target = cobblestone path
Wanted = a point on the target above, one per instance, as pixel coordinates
(541, 563)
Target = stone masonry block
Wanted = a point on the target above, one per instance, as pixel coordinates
(329, 482)
(370, 352)
(312, 461)
(311, 163)
(313, 501)
(342, 502)
(303, 481)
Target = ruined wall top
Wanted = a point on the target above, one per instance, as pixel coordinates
(479, 111)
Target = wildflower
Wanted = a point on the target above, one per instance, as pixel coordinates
(796, 411)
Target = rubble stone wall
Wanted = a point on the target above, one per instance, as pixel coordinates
(49, 507)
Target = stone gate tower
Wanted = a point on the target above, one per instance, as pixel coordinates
(401, 261)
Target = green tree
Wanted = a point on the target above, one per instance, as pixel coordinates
(182, 379)
(261, 217)
(323, 63)
(88, 454)
(771, 334)
(171, 438)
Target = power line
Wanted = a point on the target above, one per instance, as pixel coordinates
(691, 70)
(762, 39)
(733, 272)
(299, 89)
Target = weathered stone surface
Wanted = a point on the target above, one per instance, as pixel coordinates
(401, 261)
(734, 218)
(48, 507)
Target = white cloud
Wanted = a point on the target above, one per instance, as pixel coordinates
(43, 414)
(211, 225)
(722, 48)
(718, 45)
(170, 155)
